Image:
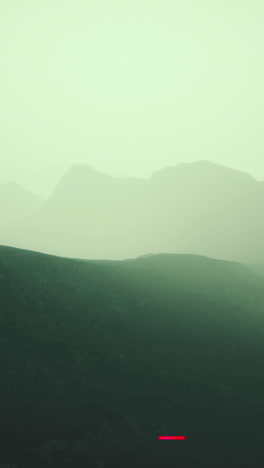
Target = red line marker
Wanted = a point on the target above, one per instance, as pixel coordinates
(172, 437)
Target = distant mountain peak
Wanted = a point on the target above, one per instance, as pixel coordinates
(14, 188)
(85, 169)
(202, 167)
(11, 184)
(81, 173)
(77, 180)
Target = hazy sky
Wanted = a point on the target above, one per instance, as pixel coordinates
(129, 86)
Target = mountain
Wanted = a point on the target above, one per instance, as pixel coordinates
(16, 203)
(99, 358)
(200, 208)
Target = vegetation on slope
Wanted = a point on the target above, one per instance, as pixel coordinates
(99, 357)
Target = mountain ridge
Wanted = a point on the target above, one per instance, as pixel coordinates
(199, 208)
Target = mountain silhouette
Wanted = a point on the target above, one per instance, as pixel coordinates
(99, 357)
(16, 203)
(199, 208)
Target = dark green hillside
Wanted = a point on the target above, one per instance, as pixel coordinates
(98, 358)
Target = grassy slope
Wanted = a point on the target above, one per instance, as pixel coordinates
(106, 355)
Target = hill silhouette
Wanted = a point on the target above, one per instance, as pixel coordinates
(200, 208)
(98, 358)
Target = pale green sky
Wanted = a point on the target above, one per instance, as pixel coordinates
(129, 86)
